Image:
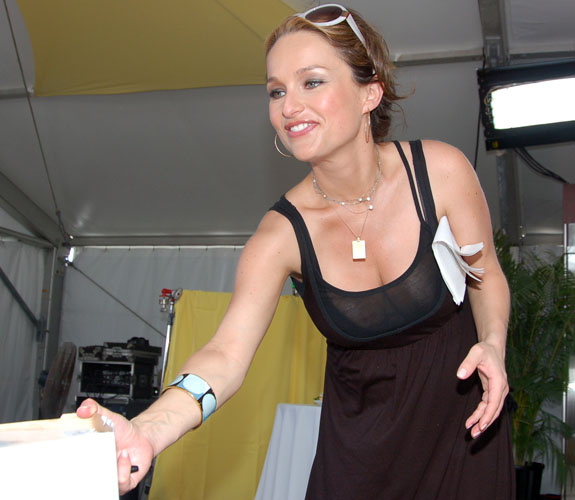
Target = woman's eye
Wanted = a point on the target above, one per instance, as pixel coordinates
(312, 84)
(276, 93)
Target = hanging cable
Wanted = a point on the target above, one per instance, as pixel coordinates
(58, 213)
(533, 164)
(478, 129)
(477, 139)
(109, 294)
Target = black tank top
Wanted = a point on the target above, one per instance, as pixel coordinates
(397, 313)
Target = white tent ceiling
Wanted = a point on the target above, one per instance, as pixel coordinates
(198, 166)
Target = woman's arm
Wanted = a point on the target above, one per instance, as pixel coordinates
(224, 361)
(458, 195)
(266, 261)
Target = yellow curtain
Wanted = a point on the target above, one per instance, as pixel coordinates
(114, 47)
(223, 459)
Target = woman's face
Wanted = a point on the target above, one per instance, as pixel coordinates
(315, 104)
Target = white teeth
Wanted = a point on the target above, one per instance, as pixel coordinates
(299, 128)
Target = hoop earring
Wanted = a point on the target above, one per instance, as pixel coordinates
(368, 128)
(279, 150)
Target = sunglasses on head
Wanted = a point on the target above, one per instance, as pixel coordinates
(331, 14)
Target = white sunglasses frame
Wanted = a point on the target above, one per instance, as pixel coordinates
(344, 16)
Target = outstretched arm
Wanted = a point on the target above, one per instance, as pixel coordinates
(459, 196)
(267, 260)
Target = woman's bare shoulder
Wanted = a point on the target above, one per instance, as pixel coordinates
(452, 176)
(447, 165)
(443, 155)
(274, 241)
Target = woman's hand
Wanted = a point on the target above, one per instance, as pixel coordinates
(490, 366)
(132, 447)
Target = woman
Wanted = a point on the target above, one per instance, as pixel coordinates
(414, 383)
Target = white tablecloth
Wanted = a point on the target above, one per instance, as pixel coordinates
(290, 453)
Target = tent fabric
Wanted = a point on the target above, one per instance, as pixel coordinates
(224, 458)
(111, 47)
(134, 278)
(24, 266)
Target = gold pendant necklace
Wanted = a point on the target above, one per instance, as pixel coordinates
(358, 248)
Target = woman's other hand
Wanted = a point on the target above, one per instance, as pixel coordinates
(132, 447)
(490, 366)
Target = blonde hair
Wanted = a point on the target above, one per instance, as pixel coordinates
(367, 63)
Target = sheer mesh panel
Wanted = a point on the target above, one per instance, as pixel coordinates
(386, 310)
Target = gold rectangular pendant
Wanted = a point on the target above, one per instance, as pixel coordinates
(358, 249)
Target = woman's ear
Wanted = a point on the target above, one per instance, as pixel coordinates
(374, 94)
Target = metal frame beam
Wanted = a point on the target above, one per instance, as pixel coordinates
(160, 240)
(494, 29)
(52, 300)
(496, 53)
(509, 197)
(25, 211)
(50, 308)
(20, 300)
(25, 238)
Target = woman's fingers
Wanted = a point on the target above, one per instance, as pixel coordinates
(476, 415)
(88, 408)
(497, 390)
(490, 368)
(125, 480)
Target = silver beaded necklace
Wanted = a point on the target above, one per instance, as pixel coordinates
(366, 198)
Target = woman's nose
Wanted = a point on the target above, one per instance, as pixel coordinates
(292, 104)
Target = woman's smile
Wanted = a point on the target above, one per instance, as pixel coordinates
(299, 128)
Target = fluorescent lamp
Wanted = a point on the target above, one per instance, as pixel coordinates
(528, 105)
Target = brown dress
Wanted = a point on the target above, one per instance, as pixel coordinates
(393, 415)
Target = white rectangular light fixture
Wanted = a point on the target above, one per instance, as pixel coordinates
(538, 103)
(528, 105)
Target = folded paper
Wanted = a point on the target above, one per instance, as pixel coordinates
(61, 459)
(449, 257)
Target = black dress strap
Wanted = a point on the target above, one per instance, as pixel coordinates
(423, 184)
(309, 263)
(410, 178)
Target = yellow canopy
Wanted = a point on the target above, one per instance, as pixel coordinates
(119, 46)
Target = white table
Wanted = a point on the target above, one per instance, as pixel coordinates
(290, 453)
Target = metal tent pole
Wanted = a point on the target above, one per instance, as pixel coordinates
(168, 301)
